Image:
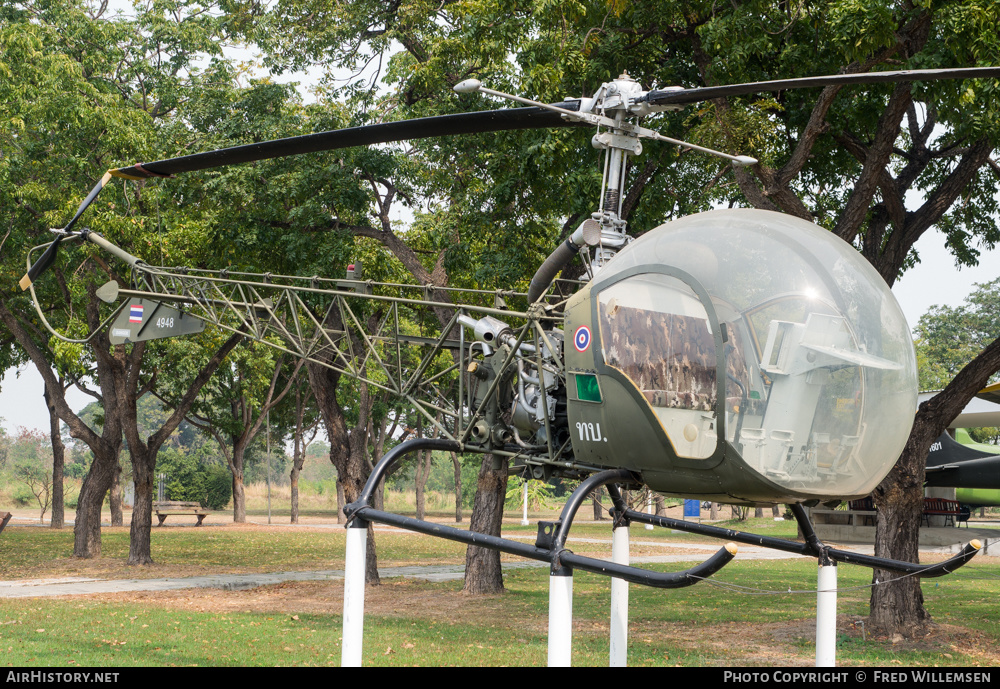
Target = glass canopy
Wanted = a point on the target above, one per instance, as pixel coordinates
(817, 363)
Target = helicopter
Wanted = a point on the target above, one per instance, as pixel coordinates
(737, 356)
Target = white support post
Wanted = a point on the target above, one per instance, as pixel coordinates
(649, 507)
(826, 616)
(354, 594)
(619, 599)
(524, 494)
(561, 618)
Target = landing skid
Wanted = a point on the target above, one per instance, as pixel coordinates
(550, 547)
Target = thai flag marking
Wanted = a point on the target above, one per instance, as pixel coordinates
(135, 314)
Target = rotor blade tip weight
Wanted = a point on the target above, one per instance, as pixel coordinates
(108, 292)
(744, 161)
(468, 86)
(731, 547)
(25, 282)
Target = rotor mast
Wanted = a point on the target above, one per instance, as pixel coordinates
(615, 108)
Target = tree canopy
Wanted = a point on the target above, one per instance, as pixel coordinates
(82, 90)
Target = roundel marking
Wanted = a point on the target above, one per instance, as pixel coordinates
(581, 339)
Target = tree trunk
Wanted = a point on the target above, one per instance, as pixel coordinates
(115, 498)
(598, 508)
(239, 491)
(351, 469)
(239, 499)
(143, 452)
(293, 480)
(713, 511)
(421, 475)
(758, 512)
(458, 486)
(659, 504)
(58, 465)
(483, 574)
(97, 482)
(144, 475)
(341, 502)
(898, 607)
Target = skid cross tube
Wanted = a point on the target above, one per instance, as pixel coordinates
(552, 551)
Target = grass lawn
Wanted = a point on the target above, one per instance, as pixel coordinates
(418, 623)
(751, 613)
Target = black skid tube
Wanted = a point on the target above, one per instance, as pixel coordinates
(555, 553)
(812, 547)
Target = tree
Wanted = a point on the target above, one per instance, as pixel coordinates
(33, 466)
(58, 462)
(235, 406)
(39, 482)
(845, 158)
(77, 91)
(948, 338)
(304, 429)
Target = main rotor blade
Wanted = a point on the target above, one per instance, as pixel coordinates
(441, 125)
(697, 95)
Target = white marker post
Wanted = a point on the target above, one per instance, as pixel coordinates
(619, 599)
(354, 593)
(561, 617)
(524, 493)
(826, 616)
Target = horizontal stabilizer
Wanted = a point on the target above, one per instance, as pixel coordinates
(144, 319)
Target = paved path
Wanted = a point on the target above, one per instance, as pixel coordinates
(76, 586)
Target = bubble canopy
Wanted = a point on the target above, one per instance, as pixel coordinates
(766, 332)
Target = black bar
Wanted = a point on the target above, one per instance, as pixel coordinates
(440, 125)
(716, 532)
(660, 580)
(579, 495)
(697, 95)
(927, 571)
(815, 549)
(391, 457)
(558, 558)
(453, 534)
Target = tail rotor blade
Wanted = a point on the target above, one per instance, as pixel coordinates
(47, 258)
(41, 265)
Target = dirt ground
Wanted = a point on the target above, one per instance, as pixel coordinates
(778, 644)
(773, 644)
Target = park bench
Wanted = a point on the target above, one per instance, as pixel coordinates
(941, 507)
(859, 513)
(4, 518)
(167, 508)
(864, 508)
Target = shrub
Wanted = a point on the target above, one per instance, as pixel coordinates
(23, 497)
(218, 487)
(190, 480)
